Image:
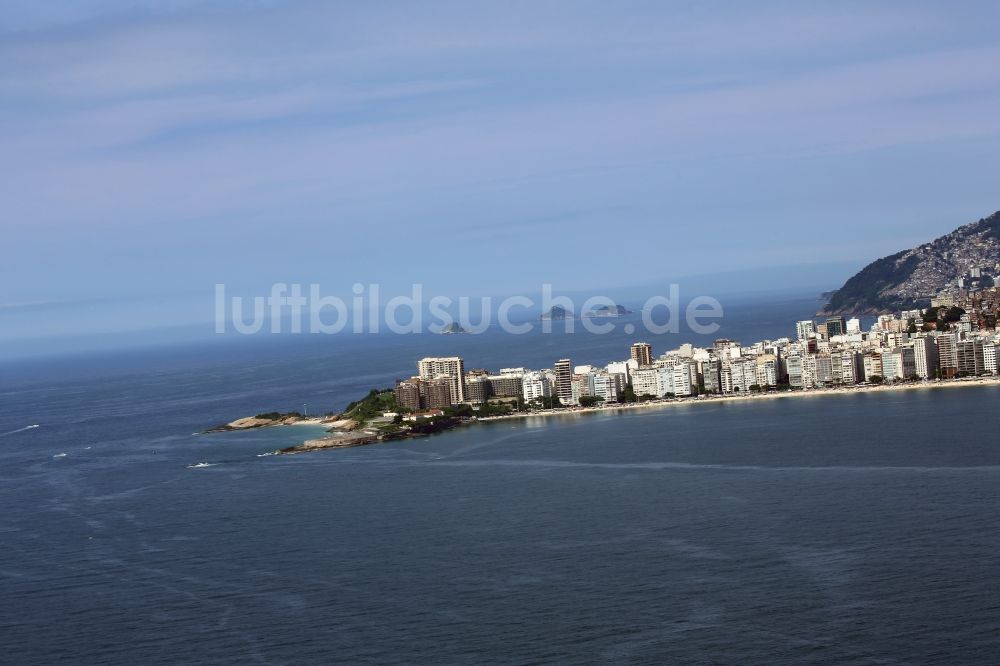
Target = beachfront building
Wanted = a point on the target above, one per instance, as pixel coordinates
(990, 358)
(508, 384)
(767, 370)
(872, 365)
(969, 354)
(947, 344)
(564, 381)
(793, 366)
(477, 389)
(925, 357)
(852, 369)
(898, 364)
(677, 377)
(450, 367)
(809, 371)
(805, 329)
(607, 386)
(535, 385)
(646, 381)
(739, 375)
(710, 375)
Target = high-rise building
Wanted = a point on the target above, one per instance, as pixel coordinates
(804, 329)
(824, 370)
(872, 364)
(899, 363)
(793, 365)
(606, 386)
(642, 353)
(835, 326)
(436, 393)
(536, 385)
(564, 380)
(852, 369)
(477, 389)
(767, 370)
(990, 358)
(710, 375)
(451, 367)
(408, 394)
(925, 357)
(947, 344)
(646, 381)
(970, 357)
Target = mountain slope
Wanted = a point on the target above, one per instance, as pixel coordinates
(911, 278)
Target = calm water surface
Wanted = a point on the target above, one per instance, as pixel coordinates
(857, 529)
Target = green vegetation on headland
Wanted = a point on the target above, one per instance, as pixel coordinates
(376, 403)
(278, 416)
(378, 418)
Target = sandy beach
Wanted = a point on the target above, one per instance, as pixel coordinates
(771, 395)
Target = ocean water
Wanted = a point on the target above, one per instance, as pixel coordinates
(855, 529)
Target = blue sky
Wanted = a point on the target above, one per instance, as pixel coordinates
(152, 149)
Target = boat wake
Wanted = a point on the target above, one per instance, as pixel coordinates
(202, 464)
(12, 432)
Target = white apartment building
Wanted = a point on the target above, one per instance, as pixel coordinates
(646, 381)
(990, 358)
(767, 370)
(536, 385)
(607, 386)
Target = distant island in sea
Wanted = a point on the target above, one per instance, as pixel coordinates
(557, 312)
(608, 311)
(452, 329)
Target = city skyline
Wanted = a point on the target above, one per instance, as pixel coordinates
(953, 338)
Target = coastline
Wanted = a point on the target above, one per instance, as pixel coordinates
(770, 395)
(338, 439)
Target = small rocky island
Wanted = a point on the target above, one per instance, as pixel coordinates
(602, 311)
(259, 421)
(451, 329)
(556, 313)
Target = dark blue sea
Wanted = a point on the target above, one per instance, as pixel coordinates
(854, 529)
